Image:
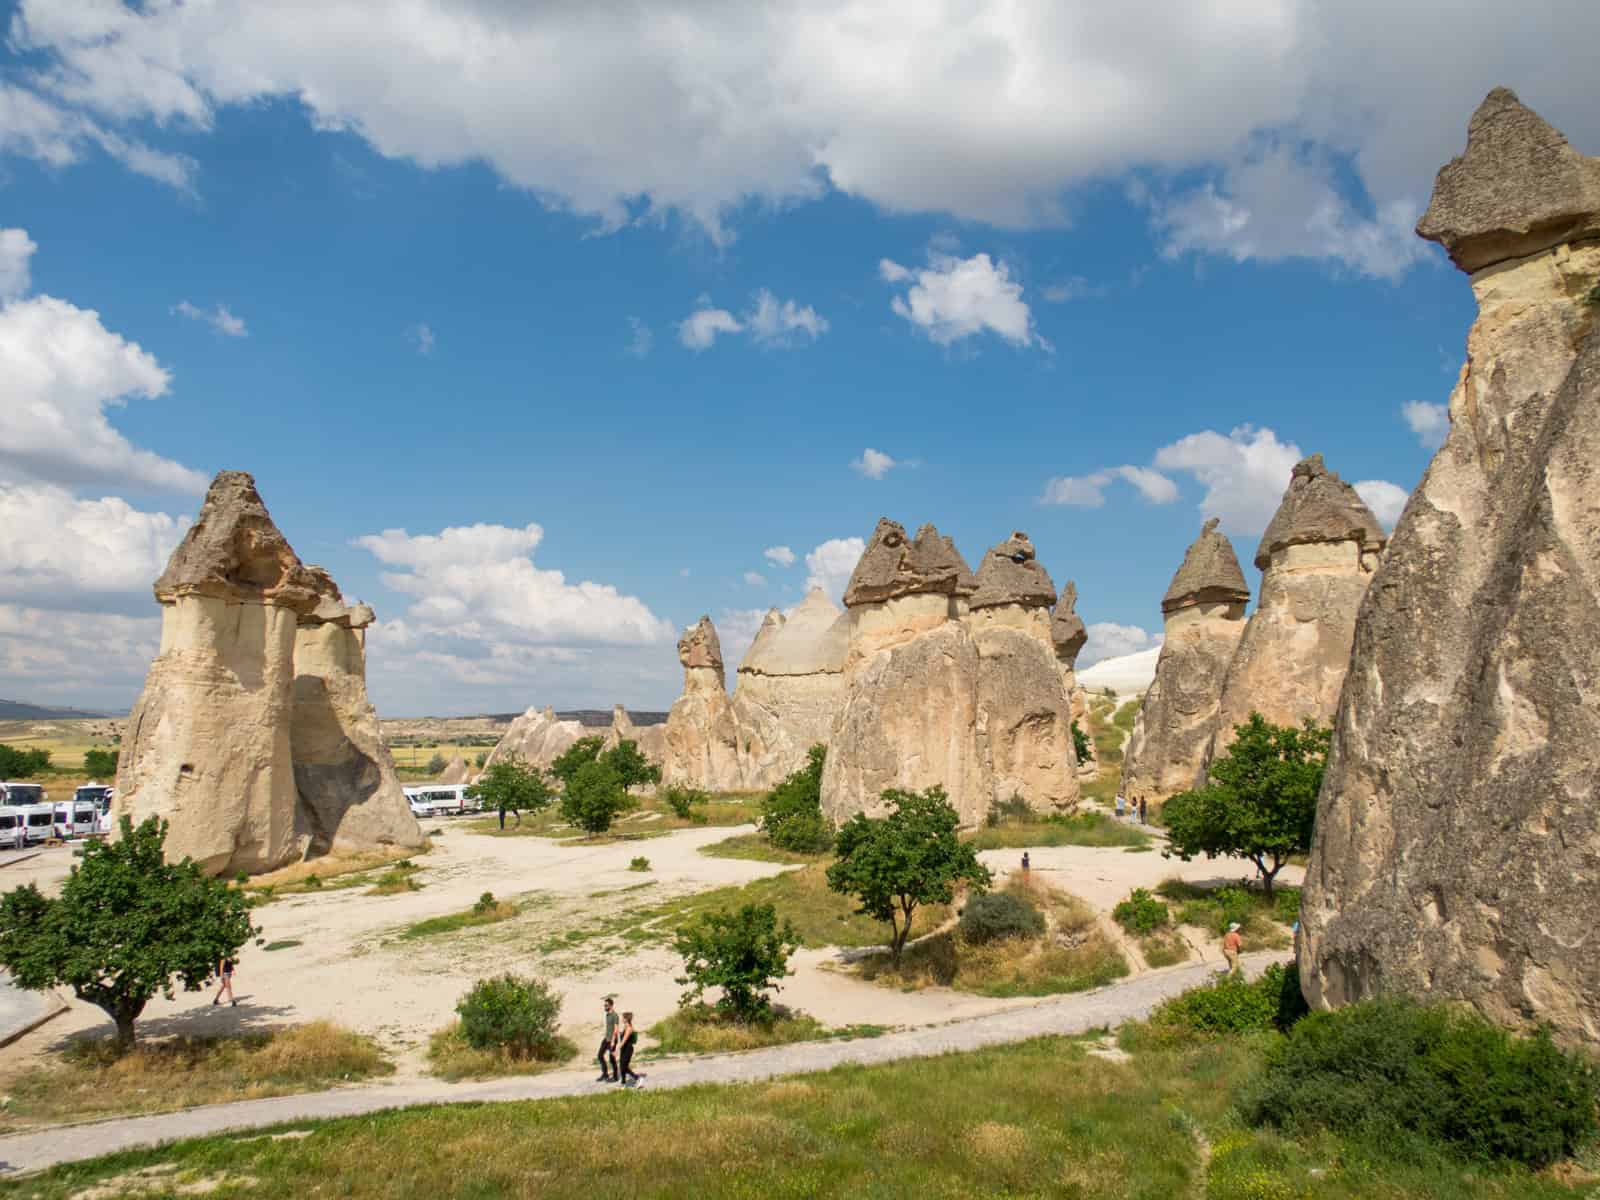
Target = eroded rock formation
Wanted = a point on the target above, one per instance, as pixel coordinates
(789, 687)
(650, 739)
(702, 747)
(456, 771)
(1456, 847)
(538, 737)
(1068, 635)
(1024, 707)
(1203, 615)
(1316, 558)
(209, 745)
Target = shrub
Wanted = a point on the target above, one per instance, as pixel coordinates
(101, 764)
(640, 863)
(1218, 909)
(744, 952)
(683, 802)
(791, 814)
(1396, 1073)
(1141, 913)
(486, 904)
(594, 797)
(511, 1013)
(1080, 744)
(1231, 1005)
(1008, 811)
(436, 764)
(995, 916)
(1286, 905)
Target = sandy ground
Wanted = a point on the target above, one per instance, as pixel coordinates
(352, 968)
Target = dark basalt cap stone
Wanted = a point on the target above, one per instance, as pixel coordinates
(1010, 574)
(1210, 573)
(1067, 631)
(893, 565)
(1319, 507)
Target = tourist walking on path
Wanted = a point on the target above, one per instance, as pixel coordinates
(225, 969)
(608, 1045)
(1024, 862)
(1231, 945)
(627, 1038)
(1144, 811)
(1122, 804)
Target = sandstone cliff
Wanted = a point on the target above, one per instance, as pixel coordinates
(1316, 558)
(538, 737)
(701, 740)
(1203, 615)
(789, 687)
(1456, 847)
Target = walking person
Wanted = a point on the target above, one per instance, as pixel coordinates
(225, 969)
(1122, 804)
(627, 1038)
(1231, 944)
(1024, 862)
(1144, 811)
(608, 1045)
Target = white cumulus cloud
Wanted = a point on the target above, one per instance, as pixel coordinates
(873, 464)
(779, 556)
(755, 579)
(1107, 639)
(955, 298)
(219, 318)
(1386, 500)
(831, 564)
(1430, 422)
(699, 329)
(16, 248)
(772, 324)
(1088, 491)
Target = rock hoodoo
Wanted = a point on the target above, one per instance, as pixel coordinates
(456, 771)
(789, 686)
(650, 739)
(538, 737)
(1024, 708)
(1203, 615)
(257, 651)
(1455, 848)
(1068, 635)
(701, 738)
(1316, 558)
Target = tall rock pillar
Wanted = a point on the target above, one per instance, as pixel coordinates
(702, 735)
(1203, 615)
(1455, 855)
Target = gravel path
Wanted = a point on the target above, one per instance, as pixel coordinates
(1107, 1006)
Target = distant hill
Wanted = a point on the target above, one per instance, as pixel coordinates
(17, 710)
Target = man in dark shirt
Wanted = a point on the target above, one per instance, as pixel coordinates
(608, 1046)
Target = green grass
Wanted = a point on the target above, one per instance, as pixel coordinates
(1261, 926)
(1091, 828)
(757, 847)
(452, 1057)
(820, 917)
(469, 919)
(651, 818)
(1041, 1118)
(286, 944)
(701, 1029)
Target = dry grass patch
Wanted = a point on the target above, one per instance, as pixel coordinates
(1073, 955)
(90, 1080)
(487, 911)
(341, 872)
(758, 847)
(701, 1029)
(451, 1056)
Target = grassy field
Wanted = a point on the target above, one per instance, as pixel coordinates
(1045, 1117)
(89, 1081)
(451, 1056)
(756, 847)
(650, 818)
(488, 911)
(385, 872)
(1090, 828)
(700, 1029)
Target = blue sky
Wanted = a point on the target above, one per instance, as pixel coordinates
(439, 269)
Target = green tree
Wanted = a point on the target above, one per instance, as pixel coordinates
(910, 857)
(685, 801)
(791, 813)
(583, 751)
(1260, 798)
(1081, 744)
(594, 798)
(744, 953)
(510, 785)
(437, 764)
(16, 763)
(631, 766)
(101, 764)
(126, 925)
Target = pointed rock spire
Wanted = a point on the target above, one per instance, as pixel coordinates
(1011, 574)
(894, 565)
(1067, 631)
(1319, 507)
(1209, 574)
(233, 551)
(700, 647)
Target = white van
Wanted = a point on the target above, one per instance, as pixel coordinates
(439, 800)
(41, 822)
(13, 829)
(76, 818)
(97, 794)
(17, 795)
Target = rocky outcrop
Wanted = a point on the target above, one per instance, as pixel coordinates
(1203, 616)
(789, 688)
(538, 737)
(1316, 558)
(651, 740)
(456, 771)
(1024, 706)
(1068, 635)
(210, 743)
(702, 744)
(1455, 848)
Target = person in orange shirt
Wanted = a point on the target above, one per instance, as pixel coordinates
(1231, 944)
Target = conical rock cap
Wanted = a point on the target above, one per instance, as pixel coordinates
(1210, 573)
(1319, 507)
(1011, 574)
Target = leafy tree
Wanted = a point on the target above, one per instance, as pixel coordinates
(1260, 799)
(631, 766)
(101, 764)
(683, 801)
(514, 1013)
(436, 764)
(910, 857)
(1081, 744)
(510, 785)
(744, 953)
(791, 813)
(16, 763)
(127, 923)
(594, 798)
(583, 751)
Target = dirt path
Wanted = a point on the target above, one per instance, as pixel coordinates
(1108, 1006)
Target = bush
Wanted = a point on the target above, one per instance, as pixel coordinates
(436, 764)
(1395, 1073)
(1286, 905)
(995, 916)
(791, 814)
(511, 1013)
(1230, 1005)
(594, 798)
(1080, 744)
(1141, 913)
(1218, 910)
(101, 764)
(683, 802)
(21, 764)
(486, 904)
(1008, 811)
(744, 952)
(640, 863)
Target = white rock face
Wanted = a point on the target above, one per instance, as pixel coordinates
(702, 743)
(650, 739)
(538, 737)
(789, 688)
